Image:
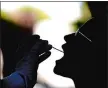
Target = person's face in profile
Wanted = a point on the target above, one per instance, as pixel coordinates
(73, 63)
(68, 65)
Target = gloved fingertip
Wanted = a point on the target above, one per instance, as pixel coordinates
(50, 47)
(36, 36)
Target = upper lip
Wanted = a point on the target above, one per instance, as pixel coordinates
(56, 61)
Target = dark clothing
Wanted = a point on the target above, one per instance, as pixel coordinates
(13, 44)
(15, 80)
(11, 36)
(25, 74)
(21, 54)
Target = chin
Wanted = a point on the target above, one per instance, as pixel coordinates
(55, 70)
(60, 71)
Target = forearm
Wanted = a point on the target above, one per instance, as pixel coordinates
(27, 68)
(23, 77)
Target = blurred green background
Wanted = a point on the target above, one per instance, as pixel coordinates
(85, 15)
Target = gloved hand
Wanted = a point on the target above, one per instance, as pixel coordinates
(27, 67)
(25, 46)
(40, 49)
(44, 56)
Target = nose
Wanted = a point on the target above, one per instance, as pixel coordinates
(69, 37)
